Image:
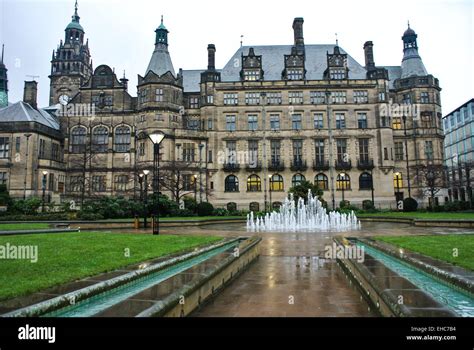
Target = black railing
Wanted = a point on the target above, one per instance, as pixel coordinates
(254, 166)
(343, 165)
(276, 166)
(298, 165)
(320, 165)
(365, 164)
(231, 167)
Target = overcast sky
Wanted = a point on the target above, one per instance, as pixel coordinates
(121, 34)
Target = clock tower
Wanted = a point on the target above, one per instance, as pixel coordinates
(71, 64)
(3, 83)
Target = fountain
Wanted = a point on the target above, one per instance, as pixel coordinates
(299, 216)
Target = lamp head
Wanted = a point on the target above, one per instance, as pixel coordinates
(156, 137)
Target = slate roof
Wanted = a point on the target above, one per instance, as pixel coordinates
(160, 61)
(412, 65)
(23, 112)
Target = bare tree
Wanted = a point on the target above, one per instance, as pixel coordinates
(432, 177)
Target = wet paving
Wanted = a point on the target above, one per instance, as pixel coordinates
(291, 278)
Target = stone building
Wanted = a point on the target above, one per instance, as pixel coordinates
(243, 135)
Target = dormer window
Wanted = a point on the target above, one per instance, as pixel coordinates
(295, 74)
(251, 74)
(337, 74)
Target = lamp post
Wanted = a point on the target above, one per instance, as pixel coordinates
(404, 117)
(195, 193)
(430, 176)
(397, 179)
(26, 165)
(45, 175)
(270, 191)
(263, 96)
(343, 185)
(156, 138)
(145, 198)
(331, 142)
(201, 146)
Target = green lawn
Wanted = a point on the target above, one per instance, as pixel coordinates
(23, 226)
(441, 247)
(421, 215)
(70, 256)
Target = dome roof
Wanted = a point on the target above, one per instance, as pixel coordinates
(409, 31)
(74, 25)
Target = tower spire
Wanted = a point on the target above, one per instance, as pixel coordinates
(3, 51)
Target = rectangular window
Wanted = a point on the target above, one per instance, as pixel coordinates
(318, 121)
(362, 120)
(143, 96)
(341, 150)
(51, 182)
(141, 149)
(361, 96)
(55, 155)
(396, 123)
(337, 74)
(319, 148)
(297, 151)
(252, 98)
(275, 147)
(209, 156)
(121, 182)
(193, 124)
(407, 99)
(188, 182)
(382, 96)
(338, 97)
(424, 97)
(251, 74)
(210, 124)
(194, 102)
(3, 178)
(253, 122)
(340, 121)
(99, 183)
(317, 97)
(253, 152)
(231, 148)
(210, 99)
(188, 152)
(274, 98)
(429, 150)
(76, 183)
(230, 123)
(399, 151)
(294, 74)
(4, 147)
(295, 97)
(296, 121)
(18, 144)
(385, 153)
(231, 99)
(364, 150)
(42, 149)
(274, 121)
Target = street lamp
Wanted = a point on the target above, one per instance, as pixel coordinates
(404, 117)
(430, 176)
(145, 198)
(201, 146)
(45, 174)
(195, 193)
(26, 164)
(270, 190)
(343, 184)
(156, 137)
(397, 179)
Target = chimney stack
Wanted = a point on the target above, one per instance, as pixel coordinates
(30, 93)
(298, 32)
(369, 55)
(211, 57)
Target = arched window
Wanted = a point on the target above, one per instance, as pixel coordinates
(254, 206)
(276, 183)
(276, 205)
(297, 180)
(321, 181)
(343, 182)
(231, 206)
(254, 184)
(122, 139)
(365, 181)
(78, 139)
(231, 183)
(100, 139)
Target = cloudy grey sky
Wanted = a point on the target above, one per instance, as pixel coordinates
(121, 34)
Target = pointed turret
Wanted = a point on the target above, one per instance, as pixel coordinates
(412, 65)
(160, 62)
(3, 81)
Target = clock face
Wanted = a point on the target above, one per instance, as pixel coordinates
(64, 99)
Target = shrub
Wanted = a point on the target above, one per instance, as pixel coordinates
(410, 204)
(190, 204)
(221, 212)
(182, 213)
(344, 204)
(301, 191)
(205, 209)
(5, 199)
(88, 216)
(368, 205)
(29, 206)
